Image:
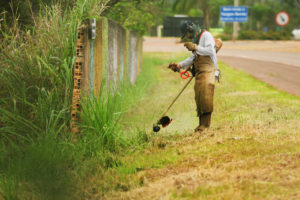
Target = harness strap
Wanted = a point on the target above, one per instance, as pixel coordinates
(201, 36)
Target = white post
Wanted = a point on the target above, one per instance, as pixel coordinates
(158, 29)
(235, 24)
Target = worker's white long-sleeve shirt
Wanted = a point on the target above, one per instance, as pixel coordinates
(206, 47)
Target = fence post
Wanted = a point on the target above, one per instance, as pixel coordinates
(79, 75)
(127, 56)
(103, 62)
(133, 56)
(139, 54)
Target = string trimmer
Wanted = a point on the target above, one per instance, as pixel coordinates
(165, 120)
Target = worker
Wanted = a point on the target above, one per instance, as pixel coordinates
(205, 69)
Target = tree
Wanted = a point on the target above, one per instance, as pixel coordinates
(298, 1)
(205, 5)
(184, 7)
(138, 15)
(210, 10)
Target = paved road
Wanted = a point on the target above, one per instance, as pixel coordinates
(274, 62)
(282, 76)
(278, 57)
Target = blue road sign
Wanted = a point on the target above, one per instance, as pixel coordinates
(234, 13)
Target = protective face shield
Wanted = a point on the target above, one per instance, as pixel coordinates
(187, 27)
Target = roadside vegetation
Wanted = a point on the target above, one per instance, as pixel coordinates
(39, 157)
(115, 151)
(250, 152)
(261, 23)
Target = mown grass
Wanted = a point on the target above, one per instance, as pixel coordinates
(250, 152)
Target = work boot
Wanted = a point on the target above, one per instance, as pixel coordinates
(204, 122)
(205, 119)
(199, 129)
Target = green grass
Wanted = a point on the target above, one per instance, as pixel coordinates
(42, 171)
(40, 159)
(100, 116)
(253, 142)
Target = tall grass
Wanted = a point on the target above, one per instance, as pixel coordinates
(100, 116)
(37, 154)
(36, 71)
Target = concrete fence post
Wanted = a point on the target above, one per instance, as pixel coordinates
(104, 54)
(121, 52)
(127, 56)
(140, 54)
(133, 56)
(104, 61)
(98, 58)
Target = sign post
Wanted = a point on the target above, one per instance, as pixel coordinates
(235, 33)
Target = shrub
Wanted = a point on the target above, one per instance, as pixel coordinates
(224, 36)
(259, 35)
(248, 35)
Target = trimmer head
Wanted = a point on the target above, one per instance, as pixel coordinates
(156, 128)
(164, 121)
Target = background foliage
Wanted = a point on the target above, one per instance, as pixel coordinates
(261, 14)
(138, 15)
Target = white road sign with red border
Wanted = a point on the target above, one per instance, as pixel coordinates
(282, 18)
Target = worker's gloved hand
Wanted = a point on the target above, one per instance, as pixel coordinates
(190, 46)
(218, 44)
(174, 67)
(217, 75)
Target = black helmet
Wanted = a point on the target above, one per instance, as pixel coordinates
(187, 27)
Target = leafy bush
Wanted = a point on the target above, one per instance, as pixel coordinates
(270, 36)
(195, 12)
(247, 35)
(259, 35)
(138, 15)
(224, 36)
